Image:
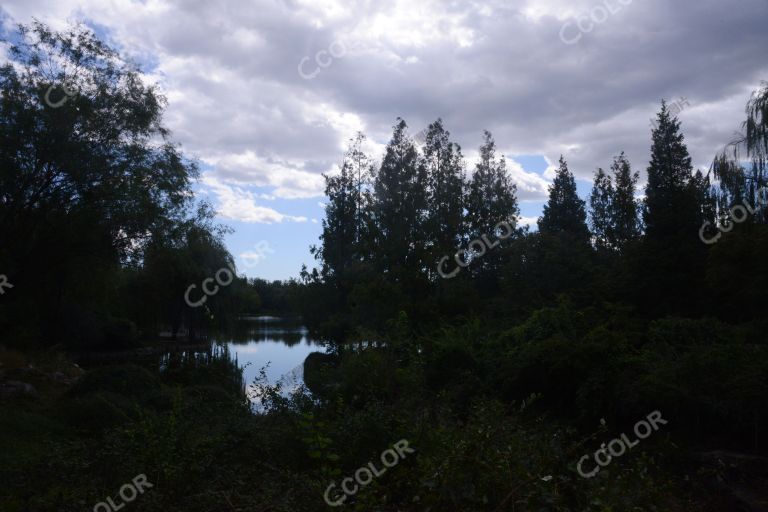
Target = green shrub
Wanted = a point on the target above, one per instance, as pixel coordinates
(687, 332)
(317, 369)
(96, 412)
(126, 380)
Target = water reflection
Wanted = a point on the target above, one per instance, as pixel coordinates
(275, 344)
(185, 366)
(268, 329)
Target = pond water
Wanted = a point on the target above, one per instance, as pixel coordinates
(280, 345)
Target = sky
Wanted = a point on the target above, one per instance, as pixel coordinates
(265, 94)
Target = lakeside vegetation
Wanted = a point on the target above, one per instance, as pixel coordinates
(501, 378)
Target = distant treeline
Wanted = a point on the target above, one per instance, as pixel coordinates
(415, 234)
(614, 307)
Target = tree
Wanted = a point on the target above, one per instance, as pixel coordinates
(613, 207)
(564, 213)
(87, 173)
(600, 212)
(444, 168)
(399, 208)
(104, 150)
(492, 199)
(625, 222)
(492, 196)
(174, 268)
(735, 182)
(343, 223)
(672, 200)
(753, 141)
(671, 266)
(346, 243)
(359, 168)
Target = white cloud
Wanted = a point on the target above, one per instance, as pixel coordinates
(289, 181)
(550, 171)
(530, 185)
(253, 258)
(238, 204)
(527, 221)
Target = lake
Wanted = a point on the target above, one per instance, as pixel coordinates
(280, 343)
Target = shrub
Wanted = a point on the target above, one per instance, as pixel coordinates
(686, 332)
(96, 412)
(317, 367)
(126, 380)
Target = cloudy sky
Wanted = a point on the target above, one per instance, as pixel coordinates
(265, 93)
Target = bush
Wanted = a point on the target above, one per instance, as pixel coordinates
(126, 380)
(317, 366)
(449, 362)
(96, 412)
(577, 375)
(686, 332)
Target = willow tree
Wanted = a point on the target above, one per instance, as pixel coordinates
(88, 175)
(740, 168)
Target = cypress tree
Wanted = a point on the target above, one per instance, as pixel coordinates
(444, 168)
(340, 226)
(492, 199)
(492, 196)
(564, 213)
(625, 223)
(600, 209)
(399, 207)
(672, 264)
(672, 207)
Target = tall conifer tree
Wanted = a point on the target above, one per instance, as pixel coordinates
(399, 207)
(672, 264)
(444, 168)
(613, 207)
(341, 226)
(492, 196)
(600, 209)
(492, 199)
(625, 220)
(672, 199)
(564, 213)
